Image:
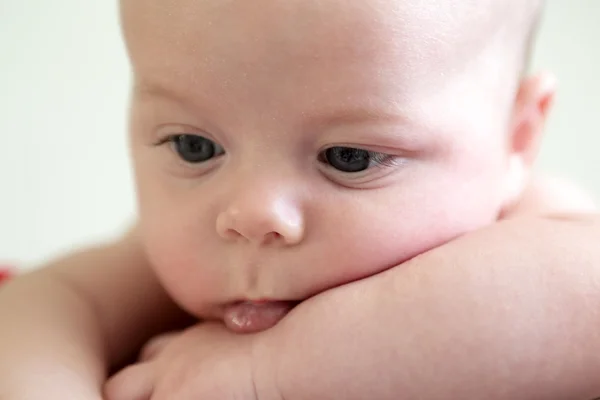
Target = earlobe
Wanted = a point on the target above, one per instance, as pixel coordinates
(532, 107)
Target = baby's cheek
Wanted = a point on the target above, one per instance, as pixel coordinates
(364, 254)
(179, 268)
(386, 242)
(377, 254)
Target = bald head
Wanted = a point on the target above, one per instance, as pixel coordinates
(447, 32)
(275, 49)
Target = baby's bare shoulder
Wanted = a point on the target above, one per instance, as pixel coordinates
(117, 284)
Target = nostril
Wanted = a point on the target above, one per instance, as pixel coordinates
(232, 234)
(272, 237)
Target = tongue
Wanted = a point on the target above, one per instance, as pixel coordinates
(255, 317)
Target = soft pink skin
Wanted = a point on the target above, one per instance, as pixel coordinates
(268, 220)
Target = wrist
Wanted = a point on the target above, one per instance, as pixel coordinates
(264, 364)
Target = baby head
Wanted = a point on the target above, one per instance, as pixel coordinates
(284, 147)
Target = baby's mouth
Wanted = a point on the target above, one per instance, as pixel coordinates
(255, 316)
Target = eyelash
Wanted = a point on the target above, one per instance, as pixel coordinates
(377, 160)
(171, 139)
(383, 159)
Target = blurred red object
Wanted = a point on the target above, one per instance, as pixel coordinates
(5, 273)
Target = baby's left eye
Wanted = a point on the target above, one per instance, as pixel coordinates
(354, 160)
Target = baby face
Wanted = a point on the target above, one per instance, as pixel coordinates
(282, 148)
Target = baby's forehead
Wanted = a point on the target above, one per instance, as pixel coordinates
(439, 15)
(330, 49)
(443, 28)
(290, 16)
(418, 30)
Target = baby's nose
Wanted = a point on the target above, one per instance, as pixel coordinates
(262, 220)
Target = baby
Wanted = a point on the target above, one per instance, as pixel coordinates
(283, 148)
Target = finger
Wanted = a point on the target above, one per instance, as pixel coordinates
(135, 382)
(155, 346)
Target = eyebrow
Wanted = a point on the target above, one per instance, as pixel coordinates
(153, 90)
(335, 116)
(389, 123)
(356, 114)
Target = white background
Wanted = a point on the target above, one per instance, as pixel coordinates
(64, 174)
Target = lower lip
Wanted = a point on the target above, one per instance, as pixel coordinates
(255, 316)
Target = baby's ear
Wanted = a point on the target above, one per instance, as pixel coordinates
(531, 109)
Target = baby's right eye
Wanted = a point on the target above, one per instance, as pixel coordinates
(195, 149)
